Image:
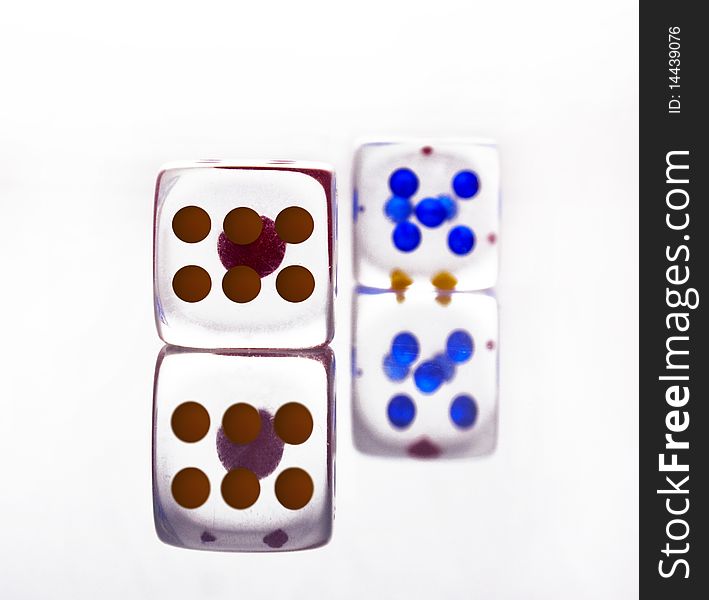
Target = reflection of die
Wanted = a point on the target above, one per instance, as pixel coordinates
(244, 254)
(243, 460)
(426, 211)
(425, 375)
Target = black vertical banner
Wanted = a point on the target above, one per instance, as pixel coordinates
(674, 262)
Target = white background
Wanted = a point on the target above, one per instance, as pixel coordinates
(95, 96)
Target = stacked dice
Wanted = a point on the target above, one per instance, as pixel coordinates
(425, 340)
(243, 409)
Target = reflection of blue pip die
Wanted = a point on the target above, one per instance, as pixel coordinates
(426, 375)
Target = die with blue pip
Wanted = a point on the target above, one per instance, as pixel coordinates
(426, 213)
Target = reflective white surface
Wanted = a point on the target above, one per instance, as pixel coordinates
(97, 98)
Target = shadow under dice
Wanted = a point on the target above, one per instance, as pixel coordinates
(244, 255)
(425, 374)
(426, 213)
(242, 450)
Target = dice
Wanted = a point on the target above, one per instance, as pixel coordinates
(426, 213)
(243, 413)
(425, 374)
(244, 254)
(243, 449)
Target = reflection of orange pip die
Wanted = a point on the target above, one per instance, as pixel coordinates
(243, 254)
(243, 459)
